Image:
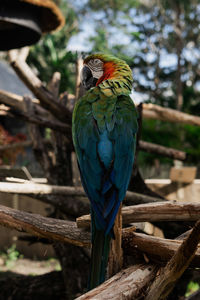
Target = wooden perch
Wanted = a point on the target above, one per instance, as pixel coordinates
(127, 284)
(37, 119)
(46, 98)
(54, 84)
(156, 249)
(115, 260)
(42, 227)
(153, 111)
(17, 102)
(161, 150)
(165, 282)
(153, 212)
(15, 145)
(39, 189)
(46, 189)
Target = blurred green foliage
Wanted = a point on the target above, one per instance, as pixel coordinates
(50, 53)
(171, 135)
(10, 256)
(191, 288)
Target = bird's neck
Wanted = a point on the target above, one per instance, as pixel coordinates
(118, 77)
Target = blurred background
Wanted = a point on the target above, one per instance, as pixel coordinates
(160, 40)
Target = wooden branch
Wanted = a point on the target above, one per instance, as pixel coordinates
(39, 189)
(53, 229)
(127, 284)
(21, 53)
(165, 282)
(79, 66)
(45, 189)
(37, 119)
(15, 145)
(115, 261)
(154, 212)
(153, 111)
(157, 249)
(161, 150)
(54, 84)
(133, 198)
(17, 102)
(13, 100)
(4, 110)
(46, 98)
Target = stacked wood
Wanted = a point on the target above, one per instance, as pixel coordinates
(181, 253)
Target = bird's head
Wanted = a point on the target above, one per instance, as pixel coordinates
(100, 67)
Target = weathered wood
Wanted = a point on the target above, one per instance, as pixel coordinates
(165, 282)
(161, 150)
(17, 102)
(115, 260)
(45, 189)
(127, 284)
(153, 111)
(54, 84)
(152, 212)
(41, 121)
(133, 198)
(15, 145)
(11, 99)
(157, 249)
(79, 66)
(39, 189)
(47, 99)
(53, 229)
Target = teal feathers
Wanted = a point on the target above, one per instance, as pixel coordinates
(104, 131)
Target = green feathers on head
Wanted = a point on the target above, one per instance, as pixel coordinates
(117, 76)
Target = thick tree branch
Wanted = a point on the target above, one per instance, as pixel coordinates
(115, 260)
(17, 102)
(53, 229)
(45, 189)
(46, 98)
(154, 212)
(153, 111)
(54, 84)
(127, 284)
(161, 150)
(165, 282)
(156, 249)
(38, 120)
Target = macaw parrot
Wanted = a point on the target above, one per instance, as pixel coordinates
(104, 128)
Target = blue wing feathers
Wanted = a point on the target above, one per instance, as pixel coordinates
(105, 158)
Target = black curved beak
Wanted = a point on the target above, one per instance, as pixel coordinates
(88, 81)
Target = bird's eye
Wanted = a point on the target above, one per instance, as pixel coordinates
(96, 61)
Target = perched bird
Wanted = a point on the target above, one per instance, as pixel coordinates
(104, 130)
